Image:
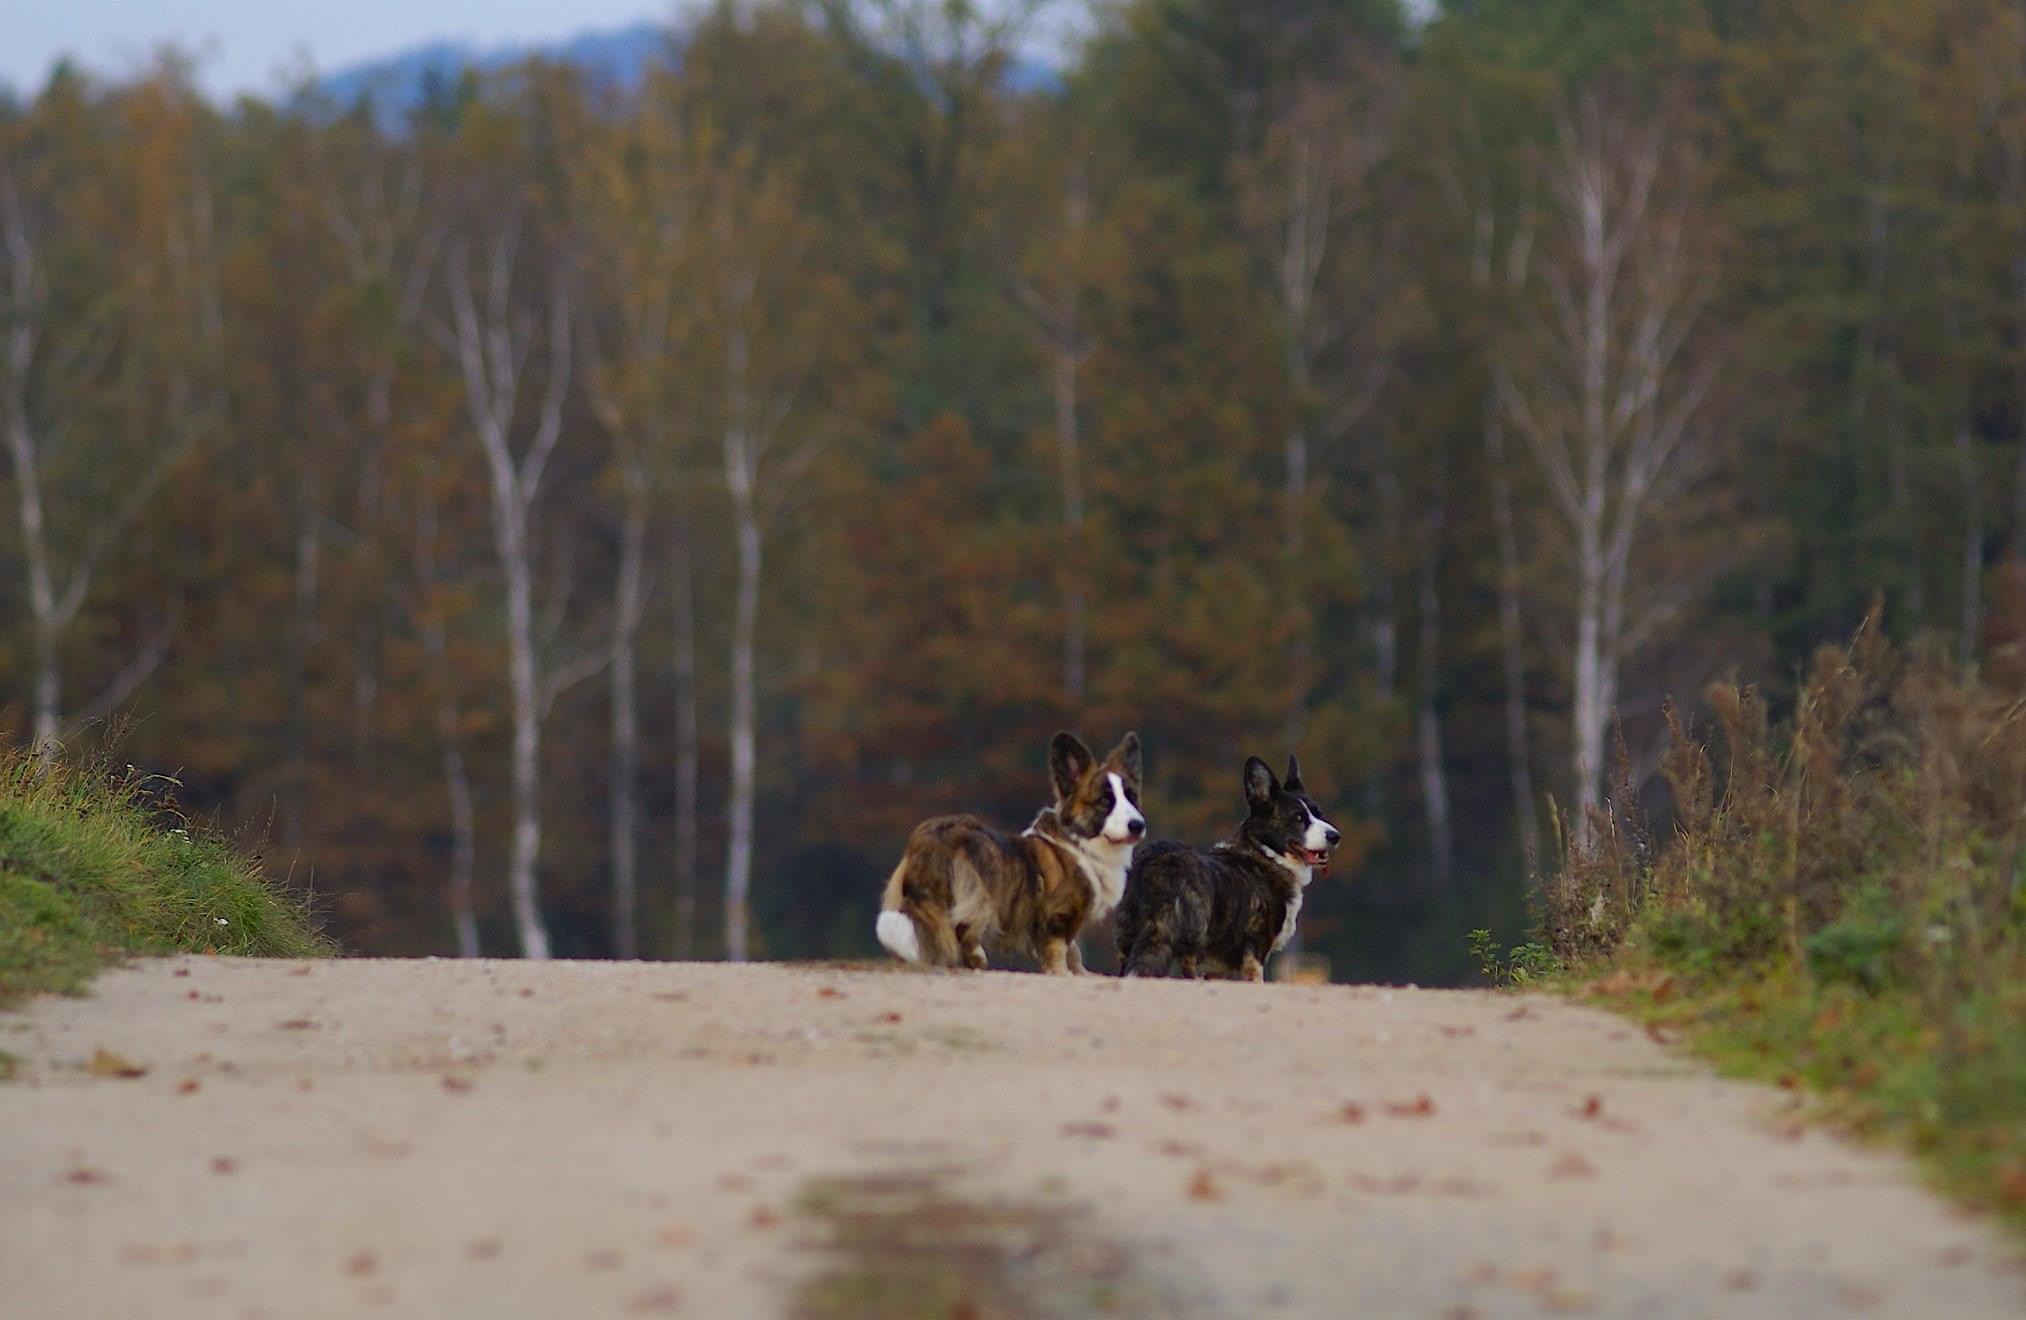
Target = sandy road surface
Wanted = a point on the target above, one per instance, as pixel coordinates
(506, 1140)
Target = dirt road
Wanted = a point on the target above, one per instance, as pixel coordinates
(507, 1140)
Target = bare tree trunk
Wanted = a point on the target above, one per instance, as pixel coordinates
(626, 612)
(525, 696)
(1068, 449)
(53, 604)
(1973, 548)
(46, 625)
(456, 778)
(295, 798)
(1428, 720)
(491, 348)
(463, 843)
(1512, 637)
(686, 747)
(745, 624)
(1295, 495)
(741, 479)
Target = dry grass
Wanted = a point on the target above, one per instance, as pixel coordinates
(1840, 901)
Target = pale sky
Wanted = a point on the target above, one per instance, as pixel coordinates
(250, 45)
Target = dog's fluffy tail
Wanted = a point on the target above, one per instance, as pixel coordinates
(908, 932)
(897, 932)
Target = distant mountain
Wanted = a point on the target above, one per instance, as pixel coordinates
(618, 57)
(396, 84)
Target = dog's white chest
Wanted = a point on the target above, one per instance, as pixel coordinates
(1302, 875)
(1107, 882)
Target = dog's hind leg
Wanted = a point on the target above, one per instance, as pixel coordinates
(973, 952)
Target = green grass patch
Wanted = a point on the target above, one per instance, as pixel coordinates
(1947, 1083)
(94, 868)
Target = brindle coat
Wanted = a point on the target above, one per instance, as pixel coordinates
(1224, 910)
(965, 887)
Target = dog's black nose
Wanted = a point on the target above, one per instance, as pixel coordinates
(1331, 837)
(1136, 828)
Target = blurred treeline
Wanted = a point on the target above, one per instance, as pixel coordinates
(545, 516)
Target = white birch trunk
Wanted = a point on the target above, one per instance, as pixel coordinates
(1428, 720)
(741, 480)
(491, 350)
(745, 625)
(686, 748)
(1069, 460)
(626, 612)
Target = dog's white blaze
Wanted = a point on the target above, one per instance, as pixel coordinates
(1118, 825)
(1317, 836)
(897, 932)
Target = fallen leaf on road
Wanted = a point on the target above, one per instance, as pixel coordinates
(889, 1018)
(1421, 1106)
(666, 997)
(1176, 1150)
(762, 1218)
(482, 1249)
(105, 1063)
(1482, 1272)
(188, 1086)
(655, 1301)
(299, 971)
(1454, 1032)
(86, 1177)
(1095, 1130)
(224, 1164)
(1203, 1187)
(1109, 1105)
(360, 1264)
(456, 1085)
(1538, 1279)
(1521, 1014)
(297, 1024)
(1593, 1107)
(1178, 1103)
(1351, 1113)
(675, 1235)
(160, 1253)
(603, 1260)
(829, 992)
(734, 1182)
(1662, 1036)
(182, 971)
(1572, 1165)
(1741, 1280)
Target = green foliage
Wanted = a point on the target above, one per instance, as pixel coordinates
(1531, 963)
(1843, 909)
(90, 870)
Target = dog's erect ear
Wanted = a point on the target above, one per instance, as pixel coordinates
(1293, 781)
(1068, 762)
(1260, 786)
(1126, 757)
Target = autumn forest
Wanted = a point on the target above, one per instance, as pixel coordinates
(590, 520)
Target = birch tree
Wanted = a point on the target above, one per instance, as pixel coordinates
(772, 319)
(500, 315)
(1612, 396)
(98, 401)
(640, 188)
(1302, 196)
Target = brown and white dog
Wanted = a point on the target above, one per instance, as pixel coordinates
(963, 887)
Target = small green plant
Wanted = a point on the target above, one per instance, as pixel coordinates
(1522, 965)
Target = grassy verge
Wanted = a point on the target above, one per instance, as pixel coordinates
(1840, 908)
(90, 871)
